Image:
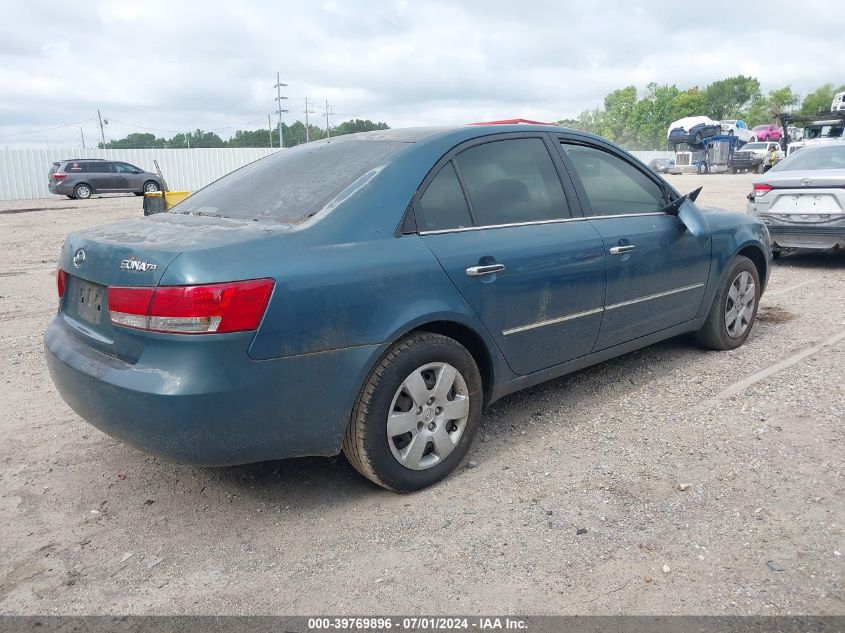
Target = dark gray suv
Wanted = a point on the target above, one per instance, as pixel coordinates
(83, 177)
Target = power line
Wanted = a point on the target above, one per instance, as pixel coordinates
(47, 129)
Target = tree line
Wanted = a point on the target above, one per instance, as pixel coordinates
(293, 134)
(642, 122)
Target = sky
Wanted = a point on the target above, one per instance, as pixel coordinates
(170, 66)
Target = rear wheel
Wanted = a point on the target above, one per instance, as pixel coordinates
(82, 191)
(734, 307)
(417, 413)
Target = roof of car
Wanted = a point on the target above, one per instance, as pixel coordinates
(81, 160)
(470, 130)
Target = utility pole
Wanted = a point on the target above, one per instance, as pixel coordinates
(82, 134)
(270, 131)
(102, 130)
(307, 112)
(328, 125)
(279, 85)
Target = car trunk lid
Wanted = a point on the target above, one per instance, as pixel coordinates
(135, 253)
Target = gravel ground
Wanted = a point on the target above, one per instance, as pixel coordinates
(671, 480)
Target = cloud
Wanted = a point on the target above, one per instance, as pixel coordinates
(176, 66)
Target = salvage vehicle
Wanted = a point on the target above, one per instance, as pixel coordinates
(737, 128)
(767, 132)
(661, 165)
(371, 293)
(692, 130)
(753, 157)
(81, 178)
(802, 200)
(822, 132)
(838, 103)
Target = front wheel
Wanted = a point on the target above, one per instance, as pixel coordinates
(416, 414)
(734, 307)
(150, 186)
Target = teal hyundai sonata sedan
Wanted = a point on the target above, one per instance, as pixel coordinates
(371, 293)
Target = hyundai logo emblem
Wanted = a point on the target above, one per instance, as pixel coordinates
(78, 258)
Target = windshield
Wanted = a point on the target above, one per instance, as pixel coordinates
(292, 185)
(754, 146)
(823, 131)
(814, 158)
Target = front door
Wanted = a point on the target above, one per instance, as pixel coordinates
(656, 268)
(532, 272)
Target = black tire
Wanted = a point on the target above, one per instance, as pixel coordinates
(150, 184)
(366, 444)
(83, 191)
(714, 333)
(72, 197)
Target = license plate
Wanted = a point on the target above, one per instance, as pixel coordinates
(89, 305)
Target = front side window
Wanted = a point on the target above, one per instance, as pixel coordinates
(443, 206)
(125, 168)
(613, 186)
(512, 181)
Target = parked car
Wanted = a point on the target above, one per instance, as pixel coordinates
(753, 157)
(83, 177)
(737, 128)
(356, 294)
(692, 130)
(802, 199)
(661, 165)
(768, 132)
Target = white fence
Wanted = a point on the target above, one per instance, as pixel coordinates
(23, 172)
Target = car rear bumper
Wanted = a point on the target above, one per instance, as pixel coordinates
(211, 405)
(60, 188)
(807, 236)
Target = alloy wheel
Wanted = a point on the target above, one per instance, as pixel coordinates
(739, 305)
(428, 416)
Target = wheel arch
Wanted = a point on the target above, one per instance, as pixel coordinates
(758, 258)
(472, 341)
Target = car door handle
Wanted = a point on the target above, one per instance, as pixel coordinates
(619, 250)
(476, 271)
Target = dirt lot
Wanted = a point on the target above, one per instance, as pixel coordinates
(707, 482)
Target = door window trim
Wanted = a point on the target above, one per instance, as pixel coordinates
(408, 225)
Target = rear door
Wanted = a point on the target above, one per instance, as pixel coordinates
(100, 175)
(496, 215)
(656, 269)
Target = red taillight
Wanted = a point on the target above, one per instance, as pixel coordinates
(230, 307)
(61, 282)
(762, 190)
(59, 175)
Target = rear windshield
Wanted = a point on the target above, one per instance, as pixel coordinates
(292, 185)
(815, 158)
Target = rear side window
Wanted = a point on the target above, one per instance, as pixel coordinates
(512, 181)
(97, 167)
(443, 205)
(613, 186)
(292, 185)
